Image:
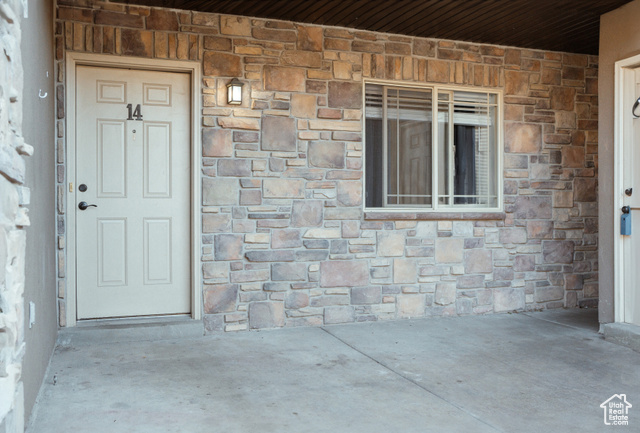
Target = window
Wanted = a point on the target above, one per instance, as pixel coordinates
(431, 148)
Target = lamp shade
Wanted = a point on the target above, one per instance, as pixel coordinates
(234, 92)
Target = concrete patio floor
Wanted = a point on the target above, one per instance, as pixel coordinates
(533, 372)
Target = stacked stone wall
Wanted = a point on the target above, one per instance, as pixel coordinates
(286, 241)
(13, 219)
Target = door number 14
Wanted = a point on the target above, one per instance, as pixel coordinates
(135, 114)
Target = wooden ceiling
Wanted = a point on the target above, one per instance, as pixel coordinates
(559, 25)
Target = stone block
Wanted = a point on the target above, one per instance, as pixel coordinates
(279, 133)
(343, 273)
(573, 282)
(265, 314)
(326, 154)
(563, 199)
(532, 207)
(213, 323)
(345, 95)
(516, 83)
(303, 106)
(508, 299)
(137, 43)
(216, 223)
(161, 19)
(234, 167)
(423, 47)
(524, 263)
(445, 293)
(449, 250)
(301, 58)
(565, 120)
(250, 276)
(426, 229)
(337, 314)
(585, 189)
(462, 229)
(204, 19)
(478, 261)
(503, 274)
(540, 229)
(470, 282)
(437, 71)
(513, 236)
(219, 191)
(591, 290)
(215, 270)
(227, 247)
(404, 271)
(411, 306)
(285, 238)
(546, 294)
(349, 193)
(309, 38)
(217, 43)
(350, 229)
(522, 138)
(366, 295)
(109, 18)
(321, 233)
(556, 252)
(307, 213)
(390, 243)
(283, 188)
(270, 256)
(235, 25)
(250, 197)
(220, 298)
(284, 79)
(551, 76)
(289, 272)
(239, 123)
(217, 64)
(573, 157)
(516, 161)
(296, 300)
(216, 143)
(562, 98)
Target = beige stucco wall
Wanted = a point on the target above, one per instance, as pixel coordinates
(40, 283)
(619, 39)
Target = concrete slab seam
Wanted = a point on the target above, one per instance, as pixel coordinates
(424, 388)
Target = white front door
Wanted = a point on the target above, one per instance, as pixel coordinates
(631, 197)
(133, 163)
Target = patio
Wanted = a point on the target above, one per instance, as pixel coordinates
(528, 372)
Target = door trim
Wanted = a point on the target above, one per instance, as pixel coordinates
(193, 69)
(622, 70)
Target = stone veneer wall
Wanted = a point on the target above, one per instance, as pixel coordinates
(13, 220)
(286, 241)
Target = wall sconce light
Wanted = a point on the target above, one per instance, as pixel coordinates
(234, 92)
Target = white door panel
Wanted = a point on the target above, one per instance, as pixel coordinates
(133, 249)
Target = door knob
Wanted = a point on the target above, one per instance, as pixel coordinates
(83, 205)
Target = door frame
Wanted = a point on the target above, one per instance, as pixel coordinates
(623, 70)
(104, 60)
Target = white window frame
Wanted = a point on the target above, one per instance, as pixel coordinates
(436, 208)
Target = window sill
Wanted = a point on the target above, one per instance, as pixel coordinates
(433, 216)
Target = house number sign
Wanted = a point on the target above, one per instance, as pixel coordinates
(135, 114)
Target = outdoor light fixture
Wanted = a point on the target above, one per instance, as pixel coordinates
(234, 92)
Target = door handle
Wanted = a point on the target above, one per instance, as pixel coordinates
(84, 206)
